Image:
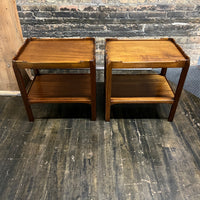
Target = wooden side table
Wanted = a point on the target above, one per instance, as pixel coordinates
(56, 88)
(146, 88)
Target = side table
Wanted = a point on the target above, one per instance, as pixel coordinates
(56, 88)
(143, 88)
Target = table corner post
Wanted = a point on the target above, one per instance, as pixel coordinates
(93, 89)
(179, 90)
(22, 88)
(108, 86)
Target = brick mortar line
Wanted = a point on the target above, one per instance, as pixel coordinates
(110, 4)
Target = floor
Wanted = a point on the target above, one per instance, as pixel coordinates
(63, 155)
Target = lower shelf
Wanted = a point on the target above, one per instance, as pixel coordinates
(61, 88)
(141, 88)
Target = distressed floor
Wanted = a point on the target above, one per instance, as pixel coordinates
(63, 155)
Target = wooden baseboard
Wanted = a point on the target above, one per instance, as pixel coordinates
(10, 93)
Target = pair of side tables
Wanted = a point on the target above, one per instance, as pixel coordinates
(81, 88)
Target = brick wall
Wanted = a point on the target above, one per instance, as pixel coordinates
(179, 19)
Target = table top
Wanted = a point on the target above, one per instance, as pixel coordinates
(56, 51)
(144, 51)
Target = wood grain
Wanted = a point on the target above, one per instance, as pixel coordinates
(11, 40)
(153, 53)
(55, 88)
(139, 155)
(143, 51)
(57, 51)
(141, 88)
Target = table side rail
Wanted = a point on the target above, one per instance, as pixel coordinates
(75, 65)
(86, 100)
(177, 64)
(142, 100)
(60, 39)
(139, 39)
(21, 49)
(180, 49)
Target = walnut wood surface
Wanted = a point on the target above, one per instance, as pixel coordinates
(57, 88)
(140, 88)
(154, 53)
(57, 51)
(144, 53)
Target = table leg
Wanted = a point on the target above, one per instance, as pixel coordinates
(163, 71)
(93, 90)
(108, 85)
(178, 91)
(22, 88)
(36, 71)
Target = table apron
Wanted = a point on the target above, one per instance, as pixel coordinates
(53, 65)
(180, 64)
